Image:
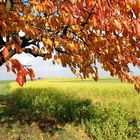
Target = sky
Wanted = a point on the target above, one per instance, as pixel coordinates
(45, 69)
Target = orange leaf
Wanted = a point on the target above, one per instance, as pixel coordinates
(3, 25)
(5, 53)
(21, 76)
(20, 79)
(89, 4)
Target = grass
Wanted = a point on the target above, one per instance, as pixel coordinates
(69, 109)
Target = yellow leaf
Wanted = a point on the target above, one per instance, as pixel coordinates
(120, 57)
(9, 5)
(48, 41)
(118, 25)
(95, 39)
(46, 24)
(73, 27)
(94, 76)
(81, 46)
(56, 43)
(128, 7)
(118, 48)
(106, 51)
(27, 27)
(72, 45)
(30, 17)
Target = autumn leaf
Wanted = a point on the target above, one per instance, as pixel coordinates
(72, 45)
(5, 53)
(89, 4)
(48, 41)
(118, 24)
(137, 87)
(20, 79)
(17, 48)
(118, 48)
(21, 76)
(3, 25)
(80, 4)
(7, 66)
(15, 64)
(31, 73)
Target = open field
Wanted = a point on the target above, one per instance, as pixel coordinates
(72, 109)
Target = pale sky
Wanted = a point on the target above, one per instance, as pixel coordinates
(46, 69)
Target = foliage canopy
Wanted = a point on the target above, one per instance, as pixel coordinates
(75, 33)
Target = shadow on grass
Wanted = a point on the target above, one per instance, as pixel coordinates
(48, 108)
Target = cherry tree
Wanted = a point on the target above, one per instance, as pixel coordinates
(76, 33)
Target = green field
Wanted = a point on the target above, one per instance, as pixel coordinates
(69, 109)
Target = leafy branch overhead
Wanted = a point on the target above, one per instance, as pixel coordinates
(75, 33)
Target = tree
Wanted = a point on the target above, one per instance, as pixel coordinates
(75, 33)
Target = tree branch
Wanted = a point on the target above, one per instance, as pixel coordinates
(78, 37)
(60, 51)
(2, 41)
(34, 53)
(3, 60)
(24, 42)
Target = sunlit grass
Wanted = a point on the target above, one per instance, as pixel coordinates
(104, 91)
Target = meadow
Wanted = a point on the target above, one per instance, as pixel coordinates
(69, 109)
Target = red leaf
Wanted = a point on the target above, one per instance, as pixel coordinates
(13, 70)
(15, 64)
(20, 79)
(7, 66)
(100, 14)
(21, 76)
(31, 73)
(89, 4)
(80, 4)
